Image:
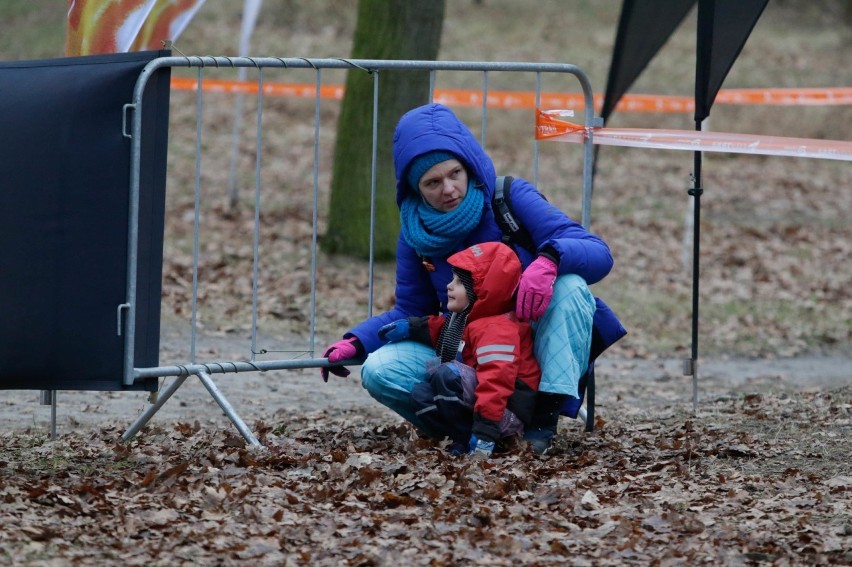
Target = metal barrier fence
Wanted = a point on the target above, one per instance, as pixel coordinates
(132, 128)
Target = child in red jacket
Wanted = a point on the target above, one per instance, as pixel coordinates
(483, 333)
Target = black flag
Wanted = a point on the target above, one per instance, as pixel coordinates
(643, 28)
(723, 27)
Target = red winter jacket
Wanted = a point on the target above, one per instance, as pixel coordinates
(496, 344)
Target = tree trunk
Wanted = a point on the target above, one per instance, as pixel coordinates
(386, 29)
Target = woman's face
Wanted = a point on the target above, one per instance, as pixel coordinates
(457, 300)
(444, 185)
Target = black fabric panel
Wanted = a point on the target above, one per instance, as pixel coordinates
(64, 220)
(643, 28)
(723, 28)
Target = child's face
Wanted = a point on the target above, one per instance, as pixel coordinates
(457, 300)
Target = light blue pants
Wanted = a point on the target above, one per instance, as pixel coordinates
(563, 338)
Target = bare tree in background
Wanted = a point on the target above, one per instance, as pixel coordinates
(386, 29)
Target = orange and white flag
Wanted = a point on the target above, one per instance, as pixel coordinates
(166, 22)
(115, 26)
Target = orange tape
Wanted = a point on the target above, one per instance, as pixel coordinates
(524, 99)
(549, 126)
(767, 97)
(251, 87)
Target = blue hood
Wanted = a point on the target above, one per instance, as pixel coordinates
(436, 127)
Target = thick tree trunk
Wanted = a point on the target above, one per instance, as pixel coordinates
(386, 29)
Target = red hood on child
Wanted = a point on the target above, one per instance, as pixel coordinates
(496, 271)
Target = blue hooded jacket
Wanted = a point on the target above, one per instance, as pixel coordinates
(420, 292)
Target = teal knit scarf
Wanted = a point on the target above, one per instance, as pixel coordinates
(433, 233)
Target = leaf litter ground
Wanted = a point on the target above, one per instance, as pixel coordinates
(752, 477)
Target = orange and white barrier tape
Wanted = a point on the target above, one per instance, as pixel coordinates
(525, 99)
(550, 125)
(766, 97)
(250, 87)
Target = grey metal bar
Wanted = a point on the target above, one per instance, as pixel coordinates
(226, 407)
(484, 107)
(133, 230)
(235, 143)
(237, 366)
(53, 416)
(370, 64)
(535, 141)
(256, 244)
(315, 214)
(196, 222)
(48, 397)
(155, 407)
(119, 310)
(588, 149)
(373, 159)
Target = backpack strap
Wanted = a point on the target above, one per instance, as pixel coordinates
(513, 232)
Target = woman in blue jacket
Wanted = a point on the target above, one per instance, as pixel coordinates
(445, 187)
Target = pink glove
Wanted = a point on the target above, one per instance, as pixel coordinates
(341, 350)
(535, 289)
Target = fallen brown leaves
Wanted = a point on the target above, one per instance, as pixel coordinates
(750, 479)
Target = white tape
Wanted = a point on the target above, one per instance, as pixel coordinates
(549, 127)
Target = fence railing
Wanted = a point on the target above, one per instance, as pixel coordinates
(204, 64)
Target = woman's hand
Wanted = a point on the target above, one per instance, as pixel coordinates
(535, 289)
(341, 350)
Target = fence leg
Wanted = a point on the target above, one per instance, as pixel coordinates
(214, 391)
(48, 397)
(226, 407)
(149, 413)
(590, 401)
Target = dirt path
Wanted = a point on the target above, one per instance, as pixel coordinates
(624, 385)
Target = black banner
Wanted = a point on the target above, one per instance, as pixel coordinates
(723, 28)
(643, 28)
(64, 207)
